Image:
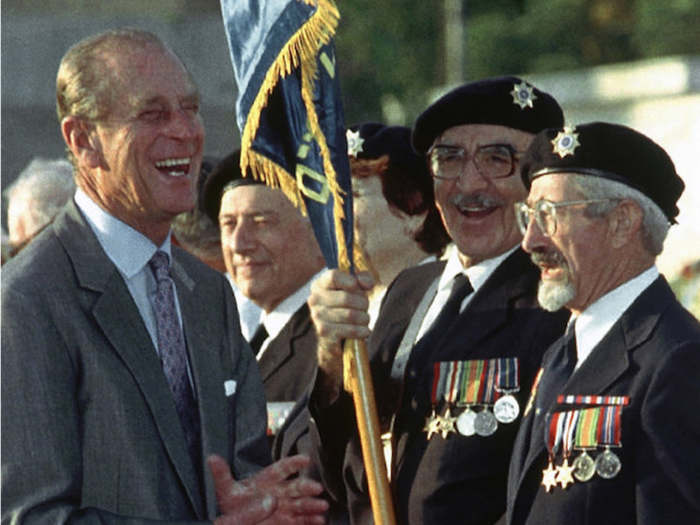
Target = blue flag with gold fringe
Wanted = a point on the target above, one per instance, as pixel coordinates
(289, 110)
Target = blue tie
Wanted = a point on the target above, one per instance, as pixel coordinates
(171, 344)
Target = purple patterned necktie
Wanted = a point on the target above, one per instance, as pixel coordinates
(171, 344)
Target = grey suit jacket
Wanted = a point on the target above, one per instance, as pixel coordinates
(90, 433)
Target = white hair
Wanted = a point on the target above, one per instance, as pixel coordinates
(49, 184)
(655, 224)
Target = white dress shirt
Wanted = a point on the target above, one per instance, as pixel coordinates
(597, 320)
(130, 252)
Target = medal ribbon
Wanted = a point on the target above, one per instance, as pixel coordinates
(570, 420)
(554, 434)
(587, 428)
(593, 400)
(508, 375)
(470, 384)
(610, 431)
(435, 392)
(453, 371)
(488, 391)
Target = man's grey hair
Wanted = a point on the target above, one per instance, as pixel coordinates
(48, 183)
(655, 224)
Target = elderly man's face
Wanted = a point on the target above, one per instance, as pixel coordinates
(269, 247)
(151, 143)
(478, 211)
(575, 261)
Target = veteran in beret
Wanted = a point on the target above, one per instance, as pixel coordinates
(611, 432)
(397, 224)
(457, 343)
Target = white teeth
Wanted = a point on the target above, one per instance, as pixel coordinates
(172, 162)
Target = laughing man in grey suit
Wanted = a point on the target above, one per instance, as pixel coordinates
(91, 430)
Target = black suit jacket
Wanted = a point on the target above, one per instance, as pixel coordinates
(288, 364)
(652, 355)
(90, 433)
(457, 479)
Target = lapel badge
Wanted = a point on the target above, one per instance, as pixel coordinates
(566, 142)
(354, 142)
(523, 95)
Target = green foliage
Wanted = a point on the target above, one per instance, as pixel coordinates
(394, 48)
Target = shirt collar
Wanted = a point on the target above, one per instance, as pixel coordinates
(478, 274)
(276, 320)
(597, 320)
(114, 235)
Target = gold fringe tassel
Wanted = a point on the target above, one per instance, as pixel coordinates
(300, 51)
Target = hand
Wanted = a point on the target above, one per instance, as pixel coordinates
(269, 497)
(339, 309)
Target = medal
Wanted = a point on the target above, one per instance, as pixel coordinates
(552, 440)
(607, 464)
(465, 422)
(434, 423)
(446, 423)
(549, 476)
(431, 424)
(485, 423)
(565, 472)
(586, 439)
(584, 467)
(506, 409)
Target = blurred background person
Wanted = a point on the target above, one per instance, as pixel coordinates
(272, 257)
(35, 198)
(397, 224)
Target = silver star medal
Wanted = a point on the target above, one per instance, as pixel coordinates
(566, 142)
(523, 95)
(354, 142)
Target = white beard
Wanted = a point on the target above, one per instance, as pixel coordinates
(554, 296)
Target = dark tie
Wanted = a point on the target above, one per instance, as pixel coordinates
(258, 338)
(423, 349)
(461, 288)
(555, 376)
(171, 344)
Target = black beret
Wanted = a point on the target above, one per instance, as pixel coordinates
(610, 151)
(503, 101)
(372, 140)
(226, 172)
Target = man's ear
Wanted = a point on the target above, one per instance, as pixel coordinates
(81, 138)
(626, 221)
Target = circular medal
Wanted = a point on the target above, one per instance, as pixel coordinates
(506, 409)
(485, 423)
(607, 465)
(584, 467)
(465, 422)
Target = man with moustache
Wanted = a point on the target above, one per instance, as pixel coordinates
(124, 369)
(612, 431)
(456, 344)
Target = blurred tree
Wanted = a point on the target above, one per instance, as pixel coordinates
(387, 50)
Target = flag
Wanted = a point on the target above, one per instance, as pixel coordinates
(289, 110)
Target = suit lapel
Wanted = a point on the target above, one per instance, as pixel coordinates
(277, 355)
(209, 391)
(119, 318)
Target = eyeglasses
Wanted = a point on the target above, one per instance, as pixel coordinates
(492, 161)
(545, 214)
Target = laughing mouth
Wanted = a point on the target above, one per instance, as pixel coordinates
(174, 167)
(476, 206)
